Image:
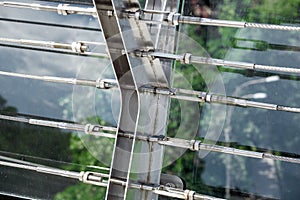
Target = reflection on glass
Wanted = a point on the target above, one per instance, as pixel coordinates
(236, 177)
(59, 148)
(216, 174)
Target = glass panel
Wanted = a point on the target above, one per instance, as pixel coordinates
(236, 177)
(53, 101)
(211, 173)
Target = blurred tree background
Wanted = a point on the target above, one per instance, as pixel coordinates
(51, 147)
(251, 129)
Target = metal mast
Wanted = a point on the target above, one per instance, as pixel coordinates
(131, 34)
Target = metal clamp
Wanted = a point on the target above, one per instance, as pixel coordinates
(202, 96)
(197, 145)
(147, 187)
(118, 181)
(186, 58)
(173, 18)
(90, 129)
(81, 175)
(156, 138)
(189, 194)
(208, 97)
(100, 84)
(105, 83)
(163, 91)
(110, 13)
(138, 14)
(61, 9)
(173, 91)
(93, 178)
(77, 47)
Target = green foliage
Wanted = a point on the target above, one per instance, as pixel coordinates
(6, 109)
(81, 191)
(31, 140)
(80, 154)
(85, 158)
(273, 11)
(217, 42)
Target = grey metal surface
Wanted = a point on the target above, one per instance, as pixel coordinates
(134, 35)
(123, 148)
(163, 35)
(148, 158)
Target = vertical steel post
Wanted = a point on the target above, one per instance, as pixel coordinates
(129, 97)
(145, 113)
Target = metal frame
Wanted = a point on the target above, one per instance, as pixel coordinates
(145, 88)
(132, 35)
(123, 149)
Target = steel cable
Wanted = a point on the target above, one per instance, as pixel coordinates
(271, 26)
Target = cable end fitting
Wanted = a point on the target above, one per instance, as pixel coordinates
(105, 83)
(186, 58)
(92, 178)
(195, 145)
(78, 47)
(205, 97)
(138, 14)
(61, 9)
(90, 129)
(189, 194)
(173, 18)
(100, 84)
